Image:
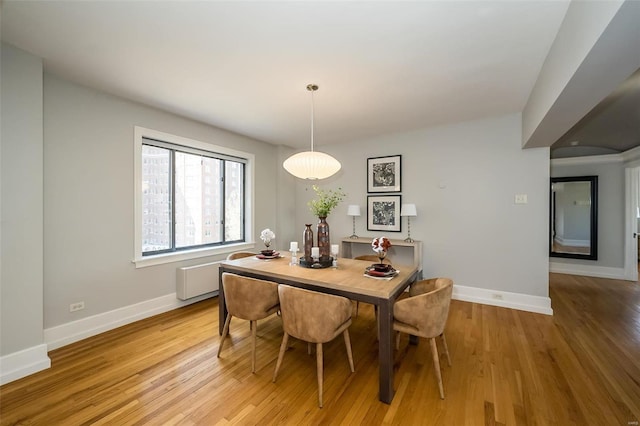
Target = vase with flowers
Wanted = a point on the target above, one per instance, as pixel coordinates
(266, 236)
(380, 246)
(326, 200)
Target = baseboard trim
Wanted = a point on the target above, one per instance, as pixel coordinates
(504, 299)
(588, 270)
(23, 363)
(62, 335)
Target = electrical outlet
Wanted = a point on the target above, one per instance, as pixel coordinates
(76, 306)
(497, 296)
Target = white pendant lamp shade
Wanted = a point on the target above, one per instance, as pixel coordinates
(311, 164)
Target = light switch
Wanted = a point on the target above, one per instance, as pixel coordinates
(521, 199)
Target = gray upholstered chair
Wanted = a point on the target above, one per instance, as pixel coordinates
(250, 299)
(239, 255)
(424, 313)
(314, 318)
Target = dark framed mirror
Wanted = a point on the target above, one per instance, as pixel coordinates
(574, 217)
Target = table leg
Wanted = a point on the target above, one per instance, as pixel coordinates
(385, 356)
(222, 306)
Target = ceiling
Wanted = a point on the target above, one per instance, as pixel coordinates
(382, 67)
(612, 126)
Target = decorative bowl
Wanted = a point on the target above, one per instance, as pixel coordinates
(267, 252)
(382, 267)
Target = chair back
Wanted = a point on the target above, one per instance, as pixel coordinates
(311, 316)
(428, 285)
(370, 258)
(427, 312)
(249, 298)
(239, 255)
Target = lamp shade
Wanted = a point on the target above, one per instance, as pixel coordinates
(311, 165)
(353, 210)
(408, 210)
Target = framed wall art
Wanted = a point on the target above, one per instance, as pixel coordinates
(383, 174)
(383, 213)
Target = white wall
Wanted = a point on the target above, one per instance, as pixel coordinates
(471, 229)
(88, 198)
(611, 216)
(21, 278)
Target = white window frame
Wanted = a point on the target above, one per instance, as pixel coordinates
(140, 261)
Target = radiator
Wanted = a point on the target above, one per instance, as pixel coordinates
(192, 281)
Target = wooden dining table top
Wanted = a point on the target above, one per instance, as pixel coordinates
(349, 276)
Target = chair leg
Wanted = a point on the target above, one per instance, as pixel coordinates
(397, 340)
(254, 327)
(357, 308)
(446, 348)
(319, 368)
(347, 343)
(436, 365)
(225, 331)
(283, 348)
(308, 348)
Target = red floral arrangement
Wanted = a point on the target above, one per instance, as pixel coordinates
(381, 245)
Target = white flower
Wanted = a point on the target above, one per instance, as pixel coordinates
(267, 235)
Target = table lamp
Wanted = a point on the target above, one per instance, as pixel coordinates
(353, 210)
(408, 210)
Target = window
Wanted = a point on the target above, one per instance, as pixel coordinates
(192, 198)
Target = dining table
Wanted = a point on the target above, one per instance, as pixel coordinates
(349, 280)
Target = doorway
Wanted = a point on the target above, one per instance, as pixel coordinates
(632, 221)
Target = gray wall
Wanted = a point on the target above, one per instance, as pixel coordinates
(463, 179)
(21, 278)
(611, 205)
(88, 198)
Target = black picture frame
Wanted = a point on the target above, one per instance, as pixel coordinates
(384, 174)
(577, 208)
(383, 213)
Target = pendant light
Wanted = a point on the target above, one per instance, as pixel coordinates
(312, 164)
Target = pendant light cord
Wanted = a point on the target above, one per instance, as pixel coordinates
(312, 88)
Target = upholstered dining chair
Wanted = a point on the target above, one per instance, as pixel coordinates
(370, 257)
(374, 259)
(424, 313)
(314, 318)
(250, 299)
(239, 255)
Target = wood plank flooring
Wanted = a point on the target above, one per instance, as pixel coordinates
(580, 366)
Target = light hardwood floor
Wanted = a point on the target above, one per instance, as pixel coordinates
(580, 366)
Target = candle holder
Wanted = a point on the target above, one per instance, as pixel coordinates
(316, 264)
(335, 249)
(294, 257)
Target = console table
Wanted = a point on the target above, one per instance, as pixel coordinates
(401, 251)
